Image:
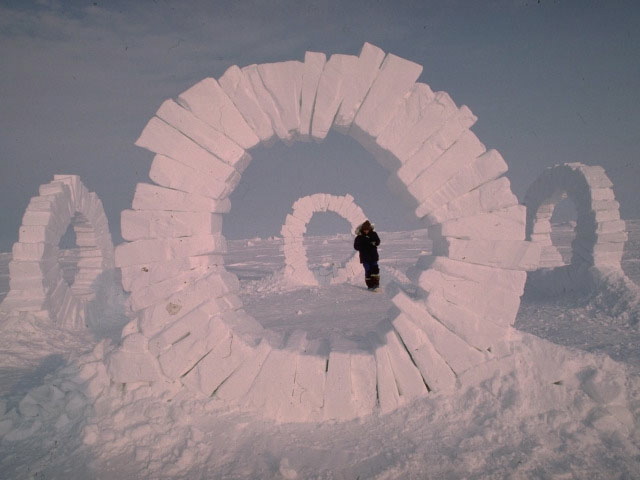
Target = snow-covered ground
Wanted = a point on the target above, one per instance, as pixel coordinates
(564, 402)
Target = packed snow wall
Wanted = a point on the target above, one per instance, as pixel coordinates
(600, 234)
(190, 326)
(295, 256)
(35, 275)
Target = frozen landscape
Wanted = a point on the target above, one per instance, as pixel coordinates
(564, 404)
(502, 344)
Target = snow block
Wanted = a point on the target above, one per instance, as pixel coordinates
(283, 81)
(476, 331)
(434, 176)
(136, 225)
(494, 195)
(266, 103)
(212, 140)
(435, 372)
(507, 254)
(505, 224)
(457, 353)
(211, 343)
(363, 383)
(308, 388)
(481, 170)
(313, 65)
(271, 390)
(438, 125)
(152, 197)
(173, 174)
(159, 137)
(210, 103)
(158, 250)
(418, 117)
(388, 395)
(356, 88)
(238, 87)
(338, 403)
(125, 366)
(236, 386)
(158, 317)
(494, 304)
(337, 73)
(394, 80)
(149, 295)
(408, 379)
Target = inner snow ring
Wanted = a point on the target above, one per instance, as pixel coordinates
(295, 257)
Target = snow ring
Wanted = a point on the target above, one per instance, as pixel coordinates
(600, 233)
(190, 324)
(295, 225)
(36, 280)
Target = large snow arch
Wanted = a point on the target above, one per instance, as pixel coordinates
(600, 234)
(295, 257)
(35, 277)
(190, 325)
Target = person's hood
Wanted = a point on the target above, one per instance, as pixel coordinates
(359, 228)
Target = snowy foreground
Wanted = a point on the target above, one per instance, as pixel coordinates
(564, 402)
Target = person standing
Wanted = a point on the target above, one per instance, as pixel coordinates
(366, 243)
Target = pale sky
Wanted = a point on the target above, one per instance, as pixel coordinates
(551, 82)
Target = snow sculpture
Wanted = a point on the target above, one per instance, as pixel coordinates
(35, 276)
(295, 257)
(190, 327)
(600, 234)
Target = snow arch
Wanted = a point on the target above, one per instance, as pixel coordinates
(35, 276)
(600, 234)
(190, 326)
(295, 257)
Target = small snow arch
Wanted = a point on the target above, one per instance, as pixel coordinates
(190, 325)
(295, 257)
(600, 233)
(35, 277)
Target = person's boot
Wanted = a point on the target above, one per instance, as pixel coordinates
(369, 282)
(375, 280)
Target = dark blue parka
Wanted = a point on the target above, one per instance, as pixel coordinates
(367, 245)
